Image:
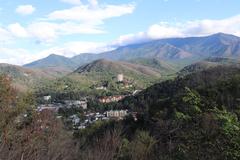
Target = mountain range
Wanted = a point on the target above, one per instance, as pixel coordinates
(146, 62)
(171, 49)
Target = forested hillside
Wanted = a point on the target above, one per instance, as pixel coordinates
(194, 117)
(191, 117)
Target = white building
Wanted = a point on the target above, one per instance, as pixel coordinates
(47, 98)
(117, 113)
(101, 88)
(120, 77)
(136, 92)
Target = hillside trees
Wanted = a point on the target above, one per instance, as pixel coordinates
(27, 134)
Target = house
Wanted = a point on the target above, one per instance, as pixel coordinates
(117, 114)
(47, 98)
(81, 127)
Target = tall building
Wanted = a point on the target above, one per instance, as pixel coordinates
(120, 78)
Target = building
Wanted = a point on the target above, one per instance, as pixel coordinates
(47, 98)
(75, 119)
(110, 99)
(49, 108)
(76, 103)
(120, 77)
(117, 114)
(101, 88)
(136, 92)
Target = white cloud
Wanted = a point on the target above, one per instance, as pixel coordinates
(76, 28)
(81, 19)
(130, 39)
(43, 31)
(84, 13)
(25, 9)
(163, 31)
(5, 36)
(15, 56)
(190, 28)
(205, 27)
(49, 31)
(93, 3)
(17, 30)
(74, 2)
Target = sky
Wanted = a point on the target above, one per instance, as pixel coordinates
(34, 29)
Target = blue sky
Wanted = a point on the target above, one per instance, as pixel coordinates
(33, 29)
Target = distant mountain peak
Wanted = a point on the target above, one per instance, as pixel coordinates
(219, 45)
(53, 60)
(219, 34)
(222, 34)
(53, 55)
(225, 36)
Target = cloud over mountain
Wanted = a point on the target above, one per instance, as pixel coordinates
(203, 27)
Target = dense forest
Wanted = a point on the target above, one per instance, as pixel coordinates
(191, 117)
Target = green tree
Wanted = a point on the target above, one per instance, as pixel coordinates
(192, 102)
(141, 148)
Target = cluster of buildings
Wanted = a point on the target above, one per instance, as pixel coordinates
(109, 99)
(64, 104)
(90, 118)
(78, 123)
(76, 103)
(87, 118)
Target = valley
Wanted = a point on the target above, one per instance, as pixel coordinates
(164, 93)
(120, 80)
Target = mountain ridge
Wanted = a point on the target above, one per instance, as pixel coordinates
(220, 44)
(117, 66)
(211, 62)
